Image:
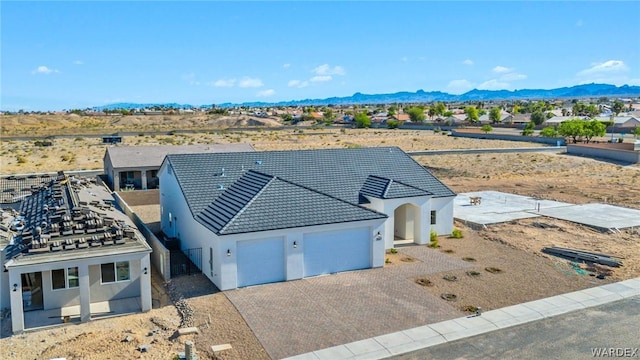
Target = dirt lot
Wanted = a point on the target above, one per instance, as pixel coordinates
(514, 248)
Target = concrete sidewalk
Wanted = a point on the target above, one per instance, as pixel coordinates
(421, 337)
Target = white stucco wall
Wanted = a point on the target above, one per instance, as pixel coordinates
(444, 214)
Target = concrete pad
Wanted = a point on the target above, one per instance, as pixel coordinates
(393, 339)
(421, 333)
(579, 296)
(497, 207)
(598, 292)
(332, 353)
(446, 327)
(600, 216)
(364, 346)
(632, 283)
(216, 348)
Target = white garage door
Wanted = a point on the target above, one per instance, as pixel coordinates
(335, 251)
(260, 261)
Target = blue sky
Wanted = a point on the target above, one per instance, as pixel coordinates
(64, 55)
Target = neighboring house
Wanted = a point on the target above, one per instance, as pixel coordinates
(456, 119)
(136, 167)
(71, 257)
(402, 117)
(521, 119)
(261, 217)
(557, 120)
(505, 118)
(621, 121)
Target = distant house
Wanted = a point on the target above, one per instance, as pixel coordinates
(521, 119)
(621, 121)
(261, 217)
(505, 118)
(456, 119)
(557, 120)
(136, 167)
(402, 117)
(70, 256)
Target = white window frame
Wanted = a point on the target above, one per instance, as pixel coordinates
(67, 279)
(115, 272)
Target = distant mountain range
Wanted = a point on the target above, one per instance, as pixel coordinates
(420, 96)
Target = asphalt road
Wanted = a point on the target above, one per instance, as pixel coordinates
(614, 327)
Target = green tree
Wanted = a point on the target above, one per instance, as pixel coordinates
(549, 131)
(287, 117)
(472, 113)
(573, 129)
(495, 114)
(636, 132)
(416, 114)
(432, 112)
(538, 117)
(393, 124)
(440, 108)
(447, 113)
(528, 129)
(582, 109)
(362, 120)
(486, 128)
(328, 116)
(617, 107)
(594, 128)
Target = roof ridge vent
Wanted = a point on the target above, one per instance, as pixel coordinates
(220, 186)
(222, 173)
(258, 162)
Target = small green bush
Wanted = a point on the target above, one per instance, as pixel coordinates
(457, 234)
(434, 240)
(21, 159)
(393, 251)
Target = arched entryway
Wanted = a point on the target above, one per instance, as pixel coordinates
(406, 227)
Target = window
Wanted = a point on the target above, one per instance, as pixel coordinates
(64, 278)
(115, 272)
(433, 217)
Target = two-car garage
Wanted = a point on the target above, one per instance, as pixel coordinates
(264, 260)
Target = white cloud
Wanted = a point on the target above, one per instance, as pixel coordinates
(512, 77)
(468, 62)
(460, 86)
(298, 83)
(265, 93)
(325, 69)
(501, 69)
(248, 82)
(493, 84)
(44, 70)
(78, 62)
(224, 83)
(321, 78)
(286, 66)
(607, 67)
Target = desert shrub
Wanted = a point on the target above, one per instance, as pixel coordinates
(21, 159)
(434, 239)
(457, 234)
(393, 250)
(387, 261)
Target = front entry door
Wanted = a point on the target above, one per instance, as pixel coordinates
(32, 291)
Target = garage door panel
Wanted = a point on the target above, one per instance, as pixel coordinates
(260, 261)
(336, 251)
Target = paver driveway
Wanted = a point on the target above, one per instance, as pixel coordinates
(295, 317)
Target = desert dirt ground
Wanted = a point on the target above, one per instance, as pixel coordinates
(514, 248)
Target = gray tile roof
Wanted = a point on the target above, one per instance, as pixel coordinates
(259, 202)
(152, 156)
(382, 188)
(339, 174)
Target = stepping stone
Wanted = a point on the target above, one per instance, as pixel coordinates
(188, 330)
(216, 348)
